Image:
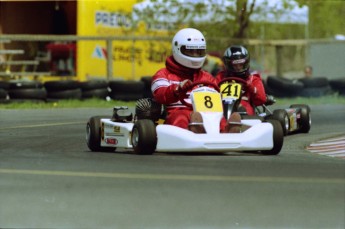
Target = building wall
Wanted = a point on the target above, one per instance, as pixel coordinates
(36, 17)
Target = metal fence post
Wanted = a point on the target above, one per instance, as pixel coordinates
(279, 58)
(109, 59)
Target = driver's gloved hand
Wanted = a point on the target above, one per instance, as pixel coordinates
(185, 85)
(270, 100)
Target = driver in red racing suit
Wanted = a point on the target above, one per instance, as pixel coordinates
(182, 69)
(236, 61)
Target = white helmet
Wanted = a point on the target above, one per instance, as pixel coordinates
(189, 48)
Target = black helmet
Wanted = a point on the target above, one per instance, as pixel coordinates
(236, 60)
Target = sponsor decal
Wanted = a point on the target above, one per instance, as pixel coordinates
(111, 141)
(99, 53)
(111, 19)
(195, 47)
(117, 129)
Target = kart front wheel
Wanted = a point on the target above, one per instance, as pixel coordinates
(93, 135)
(282, 116)
(144, 137)
(278, 138)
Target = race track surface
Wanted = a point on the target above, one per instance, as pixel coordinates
(49, 179)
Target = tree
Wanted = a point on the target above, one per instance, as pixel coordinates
(234, 15)
(325, 17)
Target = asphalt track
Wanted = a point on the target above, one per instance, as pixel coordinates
(49, 179)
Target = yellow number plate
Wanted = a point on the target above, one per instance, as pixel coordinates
(207, 102)
(230, 90)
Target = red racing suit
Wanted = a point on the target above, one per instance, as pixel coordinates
(164, 85)
(255, 96)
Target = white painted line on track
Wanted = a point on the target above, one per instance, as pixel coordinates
(176, 177)
(41, 125)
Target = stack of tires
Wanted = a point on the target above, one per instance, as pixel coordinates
(315, 87)
(338, 85)
(129, 90)
(283, 88)
(21, 90)
(147, 86)
(305, 87)
(63, 89)
(94, 89)
(4, 86)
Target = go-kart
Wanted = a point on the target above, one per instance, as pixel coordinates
(145, 135)
(295, 119)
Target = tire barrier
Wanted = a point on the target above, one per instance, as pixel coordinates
(21, 90)
(314, 82)
(71, 89)
(147, 86)
(338, 85)
(281, 87)
(306, 87)
(94, 89)
(126, 90)
(3, 94)
(4, 86)
(63, 89)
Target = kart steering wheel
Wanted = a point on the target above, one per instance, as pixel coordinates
(183, 95)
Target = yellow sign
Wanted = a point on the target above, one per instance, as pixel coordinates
(230, 90)
(207, 102)
(131, 59)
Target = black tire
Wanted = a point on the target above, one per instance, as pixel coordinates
(126, 90)
(128, 86)
(278, 138)
(285, 87)
(282, 116)
(95, 93)
(314, 82)
(144, 137)
(21, 84)
(316, 91)
(93, 135)
(338, 85)
(125, 96)
(305, 120)
(4, 85)
(28, 93)
(65, 94)
(147, 86)
(61, 85)
(93, 84)
(3, 93)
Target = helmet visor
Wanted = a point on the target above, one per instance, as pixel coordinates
(193, 51)
(236, 65)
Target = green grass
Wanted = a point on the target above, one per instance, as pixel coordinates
(89, 103)
(330, 99)
(98, 103)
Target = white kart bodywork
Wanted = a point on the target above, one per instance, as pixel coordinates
(175, 139)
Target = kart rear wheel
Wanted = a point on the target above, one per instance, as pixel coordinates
(282, 116)
(144, 137)
(278, 138)
(305, 120)
(93, 135)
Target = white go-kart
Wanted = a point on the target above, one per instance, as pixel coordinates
(144, 133)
